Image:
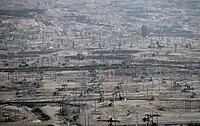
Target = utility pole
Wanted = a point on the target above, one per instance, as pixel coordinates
(147, 89)
(137, 119)
(175, 47)
(88, 120)
(157, 117)
(85, 117)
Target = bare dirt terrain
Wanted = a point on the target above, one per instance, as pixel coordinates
(99, 63)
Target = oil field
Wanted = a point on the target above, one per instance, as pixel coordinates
(99, 63)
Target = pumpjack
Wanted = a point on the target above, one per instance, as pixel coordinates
(110, 121)
(148, 118)
(118, 92)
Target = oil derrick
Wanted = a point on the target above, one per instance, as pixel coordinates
(193, 95)
(93, 73)
(72, 111)
(73, 44)
(101, 97)
(80, 56)
(102, 46)
(144, 31)
(158, 45)
(188, 45)
(187, 88)
(131, 45)
(55, 95)
(187, 105)
(117, 95)
(119, 45)
(93, 88)
(97, 88)
(63, 107)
